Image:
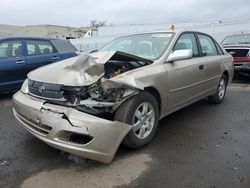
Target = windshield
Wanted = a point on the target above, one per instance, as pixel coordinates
(237, 39)
(148, 46)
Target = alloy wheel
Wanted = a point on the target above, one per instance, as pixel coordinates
(143, 120)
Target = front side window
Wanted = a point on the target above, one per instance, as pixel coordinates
(149, 46)
(4, 49)
(10, 49)
(36, 47)
(207, 45)
(187, 41)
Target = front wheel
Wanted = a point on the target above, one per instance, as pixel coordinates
(219, 96)
(142, 112)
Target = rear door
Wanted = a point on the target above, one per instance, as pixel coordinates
(12, 64)
(212, 59)
(185, 77)
(40, 53)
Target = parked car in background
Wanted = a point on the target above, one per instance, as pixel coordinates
(89, 104)
(239, 47)
(19, 56)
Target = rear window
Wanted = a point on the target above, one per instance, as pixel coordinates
(63, 46)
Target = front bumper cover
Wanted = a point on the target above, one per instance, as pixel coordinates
(53, 124)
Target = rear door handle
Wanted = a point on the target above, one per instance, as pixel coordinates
(55, 58)
(20, 61)
(201, 67)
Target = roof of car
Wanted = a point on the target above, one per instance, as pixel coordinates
(176, 31)
(27, 38)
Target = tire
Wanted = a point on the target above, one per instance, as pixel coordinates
(219, 96)
(133, 112)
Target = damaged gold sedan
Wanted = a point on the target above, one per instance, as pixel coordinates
(88, 105)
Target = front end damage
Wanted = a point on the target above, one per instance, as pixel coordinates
(70, 104)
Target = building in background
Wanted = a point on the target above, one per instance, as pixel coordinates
(7, 30)
(45, 31)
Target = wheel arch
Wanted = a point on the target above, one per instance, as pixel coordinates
(153, 91)
(226, 74)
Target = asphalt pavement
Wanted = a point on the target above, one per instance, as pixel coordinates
(202, 145)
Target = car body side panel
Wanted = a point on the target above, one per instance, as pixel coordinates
(12, 70)
(213, 72)
(153, 76)
(67, 55)
(186, 82)
(37, 61)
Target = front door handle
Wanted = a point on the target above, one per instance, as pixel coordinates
(20, 61)
(201, 67)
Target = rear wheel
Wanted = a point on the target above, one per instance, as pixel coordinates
(142, 112)
(219, 96)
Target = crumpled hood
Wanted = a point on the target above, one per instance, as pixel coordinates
(82, 70)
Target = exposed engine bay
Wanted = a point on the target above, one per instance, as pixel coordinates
(96, 98)
(114, 68)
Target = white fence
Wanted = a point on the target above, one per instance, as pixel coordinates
(217, 29)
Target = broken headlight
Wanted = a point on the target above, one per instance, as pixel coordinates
(102, 94)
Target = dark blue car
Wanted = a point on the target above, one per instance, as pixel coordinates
(19, 56)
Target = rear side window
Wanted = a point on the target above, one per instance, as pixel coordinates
(36, 47)
(219, 50)
(187, 41)
(207, 45)
(63, 46)
(10, 49)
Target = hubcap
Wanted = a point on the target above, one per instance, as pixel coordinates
(222, 88)
(143, 120)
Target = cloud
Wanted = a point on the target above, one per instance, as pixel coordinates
(79, 13)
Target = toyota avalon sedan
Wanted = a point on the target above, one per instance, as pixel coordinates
(90, 104)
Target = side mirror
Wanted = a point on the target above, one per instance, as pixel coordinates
(180, 55)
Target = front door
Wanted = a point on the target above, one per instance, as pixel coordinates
(12, 64)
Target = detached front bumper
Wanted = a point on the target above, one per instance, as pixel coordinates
(57, 125)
